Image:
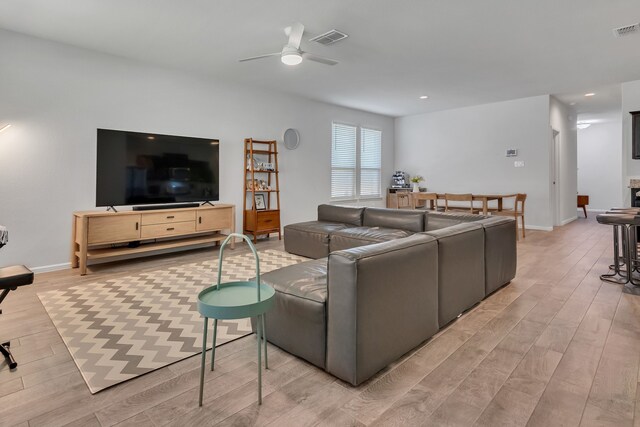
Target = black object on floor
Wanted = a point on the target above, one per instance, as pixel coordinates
(10, 279)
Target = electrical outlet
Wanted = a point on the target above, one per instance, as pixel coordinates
(518, 164)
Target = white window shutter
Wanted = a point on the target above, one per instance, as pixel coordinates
(370, 162)
(343, 161)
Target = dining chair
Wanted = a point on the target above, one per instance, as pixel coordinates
(516, 212)
(430, 199)
(449, 197)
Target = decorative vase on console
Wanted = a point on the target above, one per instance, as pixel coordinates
(416, 180)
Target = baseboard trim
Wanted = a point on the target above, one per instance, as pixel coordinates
(537, 227)
(593, 210)
(568, 220)
(52, 267)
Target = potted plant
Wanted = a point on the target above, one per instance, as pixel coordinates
(416, 183)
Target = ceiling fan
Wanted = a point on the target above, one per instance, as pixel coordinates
(291, 53)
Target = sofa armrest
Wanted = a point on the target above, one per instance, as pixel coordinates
(382, 302)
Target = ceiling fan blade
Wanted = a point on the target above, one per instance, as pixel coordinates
(295, 34)
(259, 57)
(320, 59)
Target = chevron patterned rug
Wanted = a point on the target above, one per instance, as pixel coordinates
(118, 329)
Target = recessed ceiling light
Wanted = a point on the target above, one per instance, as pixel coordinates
(424, 97)
(589, 94)
(5, 127)
(151, 137)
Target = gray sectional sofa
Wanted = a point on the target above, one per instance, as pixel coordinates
(381, 282)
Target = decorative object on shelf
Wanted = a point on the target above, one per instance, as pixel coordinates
(260, 205)
(262, 214)
(266, 166)
(416, 180)
(291, 139)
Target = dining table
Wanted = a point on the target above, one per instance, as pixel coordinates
(483, 198)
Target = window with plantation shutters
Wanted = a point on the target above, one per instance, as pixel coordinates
(343, 161)
(370, 162)
(355, 162)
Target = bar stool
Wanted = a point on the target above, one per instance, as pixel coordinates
(624, 228)
(633, 237)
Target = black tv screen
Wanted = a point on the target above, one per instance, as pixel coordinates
(144, 168)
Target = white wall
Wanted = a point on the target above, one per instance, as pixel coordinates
(564, 121)
(631, 167)
(463, 150)
(600, 164)
(55, 96)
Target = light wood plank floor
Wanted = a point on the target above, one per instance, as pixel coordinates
(555, 347)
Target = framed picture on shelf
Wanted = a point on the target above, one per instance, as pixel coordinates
(260, 204)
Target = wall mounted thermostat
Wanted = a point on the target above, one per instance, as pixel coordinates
(512, 152)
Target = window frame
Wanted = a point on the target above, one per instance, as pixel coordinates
(358, 163)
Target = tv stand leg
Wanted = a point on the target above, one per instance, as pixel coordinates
(111, 208)
(207, 203)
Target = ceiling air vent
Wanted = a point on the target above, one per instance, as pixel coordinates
(626, 30)
(329, 37)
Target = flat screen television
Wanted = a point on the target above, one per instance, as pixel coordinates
(136, 168)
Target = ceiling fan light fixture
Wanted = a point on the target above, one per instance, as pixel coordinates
(291, 55)
(293, 58)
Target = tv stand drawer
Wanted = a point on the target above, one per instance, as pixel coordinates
(167, 230)
(168, 217)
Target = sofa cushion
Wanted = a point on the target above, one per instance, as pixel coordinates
(394, 218)
(340, 214)
(461, 272)
(310, 239)
(297, 322)
(500, 252)
(359, 236)
(438, 220)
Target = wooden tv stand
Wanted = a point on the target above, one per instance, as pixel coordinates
(103, 236)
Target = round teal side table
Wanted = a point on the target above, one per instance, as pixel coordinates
(235, 300)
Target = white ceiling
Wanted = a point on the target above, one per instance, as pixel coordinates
(459, 52)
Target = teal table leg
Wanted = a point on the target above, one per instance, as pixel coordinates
(204, 357)
(213, 348)
(264, 337)
(259, 331)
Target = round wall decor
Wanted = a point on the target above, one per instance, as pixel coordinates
(291, 139)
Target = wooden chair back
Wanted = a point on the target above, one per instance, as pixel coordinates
(450, 197)
(430, 199)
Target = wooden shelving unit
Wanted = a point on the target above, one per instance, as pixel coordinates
(261, 181)
(108, 236)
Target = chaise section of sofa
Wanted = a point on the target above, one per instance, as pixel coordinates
(297, 322)
(500, 252)
(382, 302)
(311, 239)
